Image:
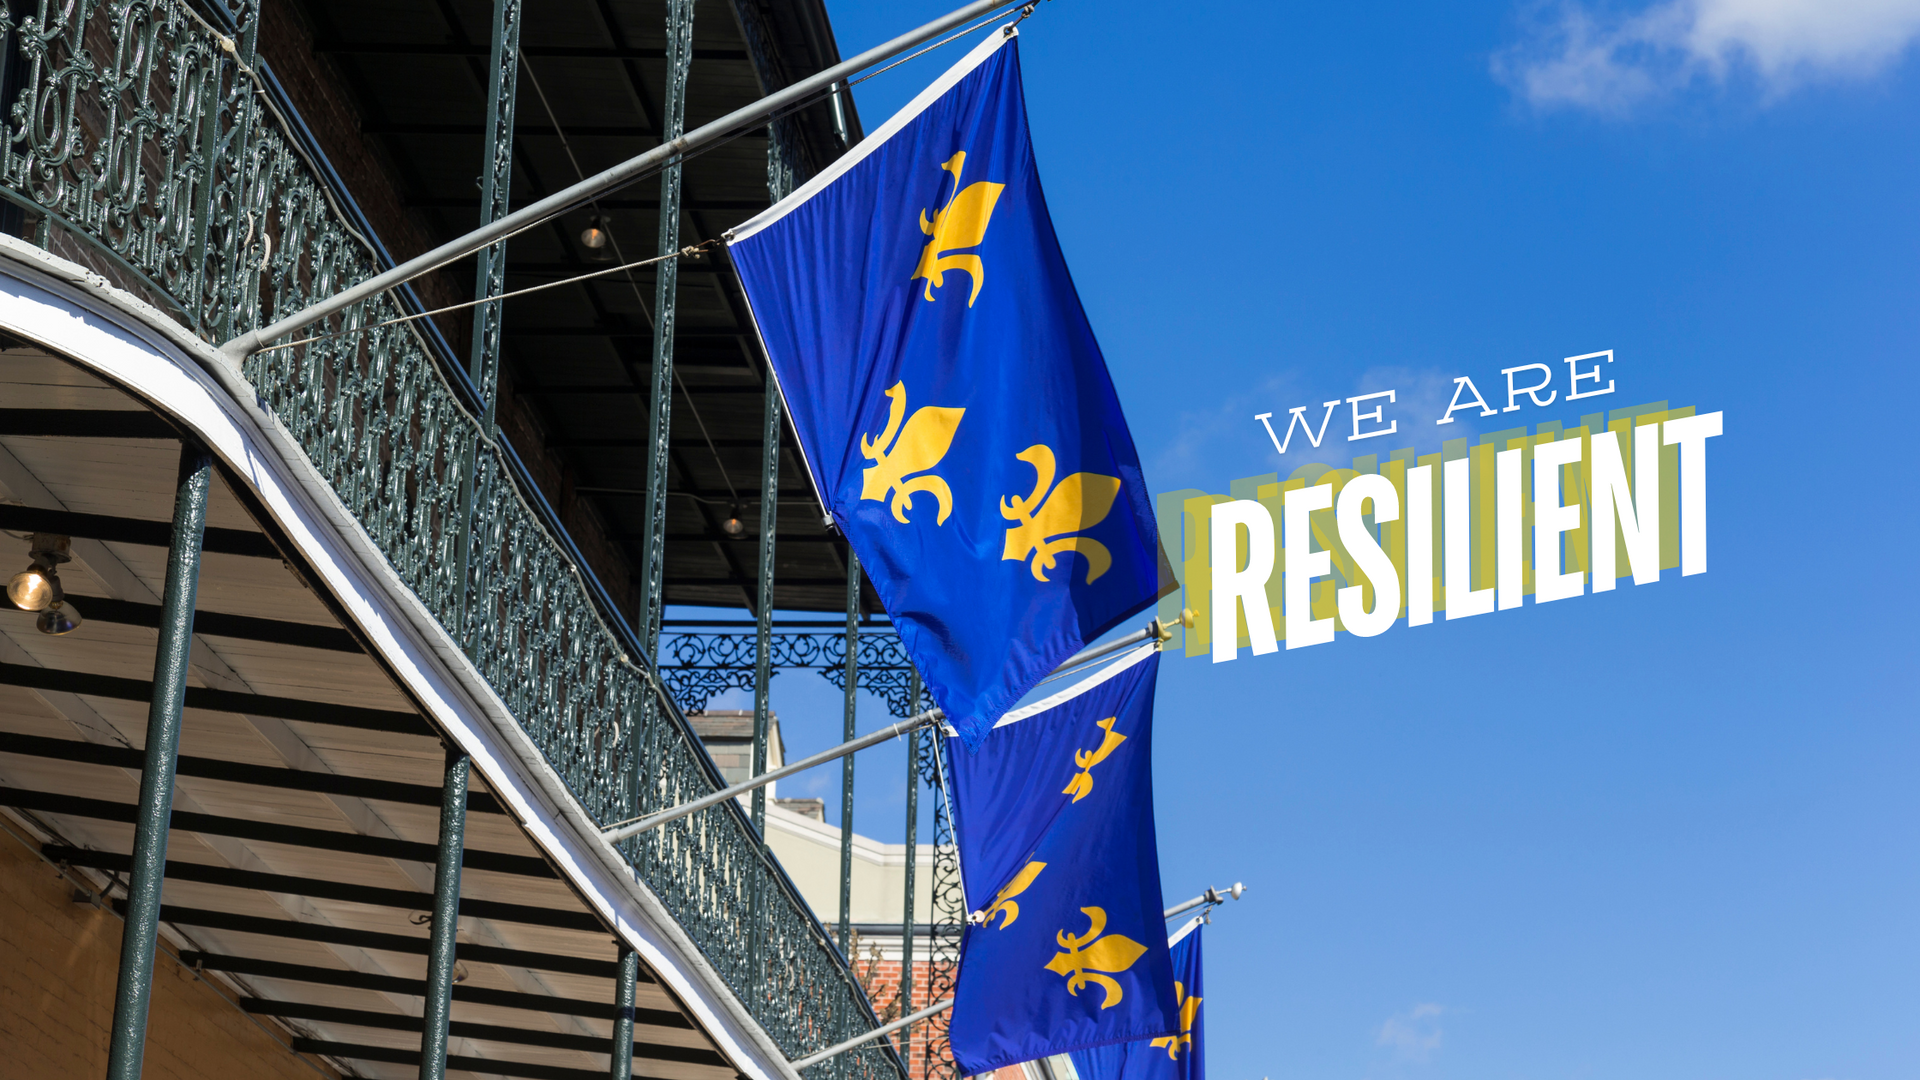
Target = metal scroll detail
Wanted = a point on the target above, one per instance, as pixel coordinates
(490, 275)
(949, 915)
(124, 132)
(783, 146)
(666, 294)
(699, 667)
(147, 137)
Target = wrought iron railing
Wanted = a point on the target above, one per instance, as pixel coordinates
(696, 667)
(149, 133)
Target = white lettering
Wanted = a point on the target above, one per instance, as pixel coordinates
(1575, 377)
(1299, 414)
(1532, 392)
(1241, 587)
(1370, 417)
(1509, 550)
(1691, 433)
(1550, 519)
(1303, 565)
(1420, 545)
(1368, 555)
(1462, 599)
(1637, 509)
(1454, 406)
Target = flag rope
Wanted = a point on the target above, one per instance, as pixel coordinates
(685, 252)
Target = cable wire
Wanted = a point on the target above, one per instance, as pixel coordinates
(698, 420)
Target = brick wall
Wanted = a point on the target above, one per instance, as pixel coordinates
(58, 965)
(882, 980)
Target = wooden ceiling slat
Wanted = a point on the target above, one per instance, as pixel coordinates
(273, 833)
(131, 530)
(99, 609)
(372, 939)
(125, 757)
(200, 697)
(690, 1055)
(394, 984)
(332, 890)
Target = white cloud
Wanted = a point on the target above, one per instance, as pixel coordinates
(1413, 1035)
(1574, 56)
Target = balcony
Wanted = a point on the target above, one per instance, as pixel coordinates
(153, 144)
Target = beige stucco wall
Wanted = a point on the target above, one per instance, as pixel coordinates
(810, 850)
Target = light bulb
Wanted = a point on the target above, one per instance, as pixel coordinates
(595, 239)
(58, 619)
(32, 589)
(733, 525)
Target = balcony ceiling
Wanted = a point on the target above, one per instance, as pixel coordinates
(300, 866)
(578, 358)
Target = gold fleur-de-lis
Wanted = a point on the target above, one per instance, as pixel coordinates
(1047, 519)
(1081, 785)
(1189, 1008)
(1089, 953)
(962, 223)
(1003, 900)
(922, 441)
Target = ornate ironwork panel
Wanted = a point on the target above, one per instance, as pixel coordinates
(496, 182)
(665, 296)
(147, 133)
(699, 667)
(783, 145)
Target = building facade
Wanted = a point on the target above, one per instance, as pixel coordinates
(876, 886)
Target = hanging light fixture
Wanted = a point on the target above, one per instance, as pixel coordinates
(58, 619)
(37, 588)
(595, 239)
(733, 525)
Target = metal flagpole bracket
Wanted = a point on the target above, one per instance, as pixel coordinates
(877, 1033)
(1213, 898)
(621, 830)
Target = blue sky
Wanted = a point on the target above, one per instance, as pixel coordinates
(1668, 832)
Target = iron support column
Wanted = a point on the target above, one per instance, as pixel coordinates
(496, 180)
(134, 994)
(623, 994)
(446, 917)
(666, 281)
(769, 523)
(763, 673)
(913, 852)
(846, 763)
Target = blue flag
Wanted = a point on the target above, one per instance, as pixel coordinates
(1170, 1057)
(954, 410)
(1053, 815)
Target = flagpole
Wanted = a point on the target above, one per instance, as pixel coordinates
(1211, 896)
(876, 1033)
(621, 831)
(1214, 896)
(626, 172)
